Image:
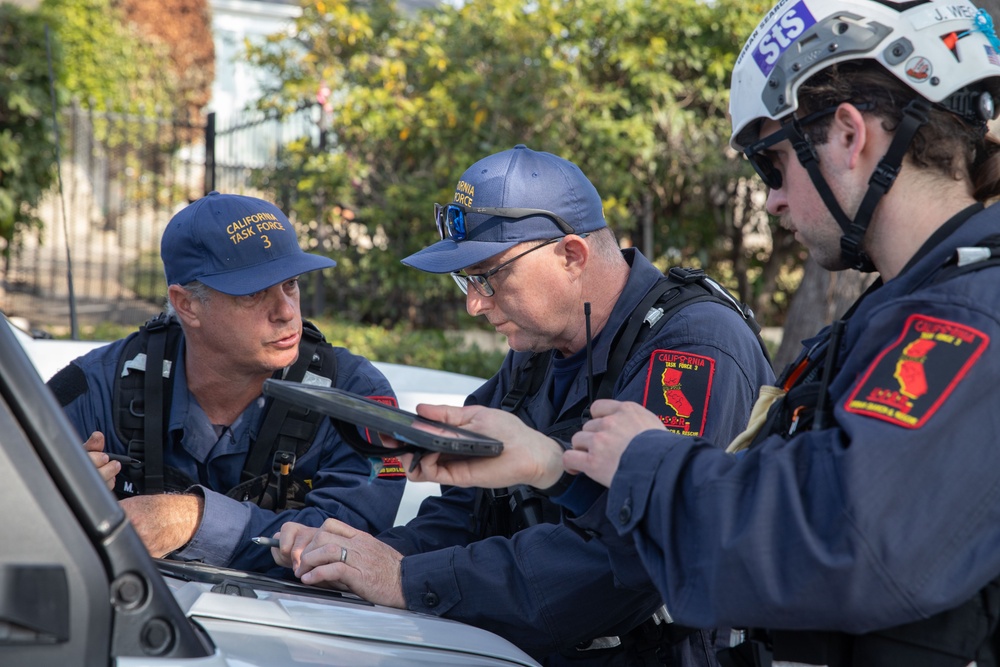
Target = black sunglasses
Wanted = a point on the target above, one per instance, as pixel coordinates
(450, 218)
(791, 128)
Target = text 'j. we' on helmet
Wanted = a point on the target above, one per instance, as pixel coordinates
(936, 48)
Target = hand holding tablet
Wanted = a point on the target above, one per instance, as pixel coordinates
(413, 432)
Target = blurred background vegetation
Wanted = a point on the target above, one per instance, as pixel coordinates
(633, 91)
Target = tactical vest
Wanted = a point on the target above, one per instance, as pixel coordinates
(141, 407)
(952, 638)
(506, 511)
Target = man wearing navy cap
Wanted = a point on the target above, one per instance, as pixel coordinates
(218, 463)
(526, 240)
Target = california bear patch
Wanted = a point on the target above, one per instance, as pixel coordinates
(678, 387)
(910, 380)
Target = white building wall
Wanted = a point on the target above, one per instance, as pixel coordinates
(233, 21)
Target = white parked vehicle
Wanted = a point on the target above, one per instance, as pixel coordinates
(77, 587)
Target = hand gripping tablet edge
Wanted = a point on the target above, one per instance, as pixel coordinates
(346, 409)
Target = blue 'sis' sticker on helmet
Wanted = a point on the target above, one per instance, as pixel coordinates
(781, 35)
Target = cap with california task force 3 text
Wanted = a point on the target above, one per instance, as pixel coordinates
(234, 244)
(515, 178)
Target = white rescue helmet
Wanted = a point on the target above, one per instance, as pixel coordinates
(937, 48)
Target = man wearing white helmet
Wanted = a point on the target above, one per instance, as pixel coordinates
(860, 523)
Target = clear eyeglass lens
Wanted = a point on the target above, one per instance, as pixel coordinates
(481, 284)
(461, 281)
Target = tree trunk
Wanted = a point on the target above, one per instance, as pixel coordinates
(822, 295)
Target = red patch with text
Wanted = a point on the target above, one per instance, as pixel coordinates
(391, 466)
(909, 381)
(678, 387)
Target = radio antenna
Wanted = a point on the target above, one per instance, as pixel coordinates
(73, 326)
(590, 360)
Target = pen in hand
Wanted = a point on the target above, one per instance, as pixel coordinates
(125, 460)
(266, 541)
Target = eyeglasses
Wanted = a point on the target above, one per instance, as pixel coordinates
(450, 218)
(757, 153)
(481, 281)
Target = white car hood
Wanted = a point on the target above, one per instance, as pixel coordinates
(286, 623)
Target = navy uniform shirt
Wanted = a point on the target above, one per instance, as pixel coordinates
(341, 481)
(547, 589)
(888, 515)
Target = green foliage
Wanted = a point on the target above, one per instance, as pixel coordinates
(103, 331)
(145, 278)
(95, 56)
(107, 62)
(27, 147)
(401, 345)
(635, 92)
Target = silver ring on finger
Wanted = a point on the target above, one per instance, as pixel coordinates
(343, 554)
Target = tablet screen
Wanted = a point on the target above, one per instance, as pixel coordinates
(402, 425)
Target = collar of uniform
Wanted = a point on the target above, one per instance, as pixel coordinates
(202, 446)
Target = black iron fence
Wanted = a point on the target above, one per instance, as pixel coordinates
(123, 177)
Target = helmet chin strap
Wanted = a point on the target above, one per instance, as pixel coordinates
(914, 116)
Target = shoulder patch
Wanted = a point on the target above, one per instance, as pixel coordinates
(678, 387)
(387, 400)
(68, 384)
(391, 466)
(908, 382)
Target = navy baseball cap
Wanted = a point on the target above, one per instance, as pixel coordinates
(519, 178)
(234, 244)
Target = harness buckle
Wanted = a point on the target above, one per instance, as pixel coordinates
(685, 275)
(512, 401)
(850, 247)
(653, 316)
(157, 323)
(883, 176)
(804, 150)
(136, 408)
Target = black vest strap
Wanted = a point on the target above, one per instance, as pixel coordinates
(514, 508)
(915, 116)
(681, 288)
(526, 381)
(155, 404)
(629, 335)
(142, 405)
(268, 439)
(286, 431)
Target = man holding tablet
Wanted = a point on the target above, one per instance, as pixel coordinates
(525, 238)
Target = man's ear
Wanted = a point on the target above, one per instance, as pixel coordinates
(849, 133)
(185, 304)
(575, 253)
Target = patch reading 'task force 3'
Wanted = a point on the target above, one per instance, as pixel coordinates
(678, 387)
